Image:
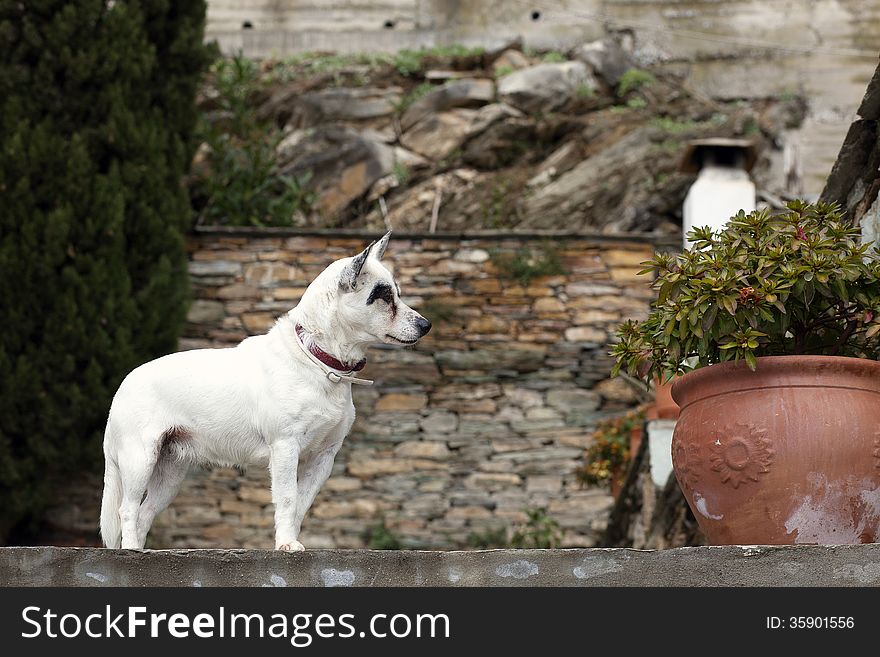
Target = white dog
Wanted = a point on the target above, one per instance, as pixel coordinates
(282, 399)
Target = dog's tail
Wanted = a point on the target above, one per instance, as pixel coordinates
(111, 527)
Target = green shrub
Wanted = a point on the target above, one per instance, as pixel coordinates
(634, 79)
(380, 537)
(242, 185)
(410, 62)
(799, 282)
(585, 91)
(401, 172)
(96, 121)
(489, 539)
(539, 531)
(554, 57)
(608, 455)
(526, 263)
(420, 91)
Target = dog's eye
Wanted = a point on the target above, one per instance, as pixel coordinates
(381, 291)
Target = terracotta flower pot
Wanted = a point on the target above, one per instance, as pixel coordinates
(787, 454)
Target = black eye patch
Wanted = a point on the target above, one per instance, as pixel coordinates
(381, 291)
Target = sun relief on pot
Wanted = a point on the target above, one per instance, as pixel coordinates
(741, 454)
(686, 461)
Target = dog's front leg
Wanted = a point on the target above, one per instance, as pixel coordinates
(283, 463)
(314, 474)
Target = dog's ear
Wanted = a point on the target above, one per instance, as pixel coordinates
(381, 245)
(352, 270)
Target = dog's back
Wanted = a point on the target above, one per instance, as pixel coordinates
(184, 408)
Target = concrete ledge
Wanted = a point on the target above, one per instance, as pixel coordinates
(850, 565)
(481, 234)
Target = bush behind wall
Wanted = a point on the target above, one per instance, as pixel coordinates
(96, 123)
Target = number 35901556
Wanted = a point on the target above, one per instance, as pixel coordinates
(810, 622)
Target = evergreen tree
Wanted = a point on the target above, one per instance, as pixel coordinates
(97, 118)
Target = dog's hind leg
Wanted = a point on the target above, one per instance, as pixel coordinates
(168, 475)
(137, 460)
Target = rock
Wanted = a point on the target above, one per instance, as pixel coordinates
(430, 449)
(467, 92)
(437, 135)
(203, 311)
(401, 402)
(214, 268)
(471, 255)
(545, 87)
(238, 291)
(258, 322)
(607, 58)
(373, 467)
(583, 187)
(512, 358)
(558, 162)
(439, 422)
(287, 147)
(409, 159)
(617, 390)
(404, 368)
(289, 105)
(500, 144)
(627, 257)
(586, 334)
(490, 114)
(511, 59)
(492, 481)
(573, 400)
(548, 305)
(339, 165)
(523, 397)
(344, 104)
(342, 484)
(549, 484)
(468, 513)
(253, 494)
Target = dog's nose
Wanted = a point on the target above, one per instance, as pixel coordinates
(423, 325)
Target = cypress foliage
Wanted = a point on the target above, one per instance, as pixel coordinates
(96, 131)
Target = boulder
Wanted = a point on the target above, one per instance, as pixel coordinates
(500, 144)
(344, 104)
(438, 135)
(339, 165)
(586, 189)
(489, 114)
(545, 87)
(468, 92)
(288, 104)
(510, 60)
(607, 58)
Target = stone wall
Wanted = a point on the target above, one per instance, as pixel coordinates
(487, 416)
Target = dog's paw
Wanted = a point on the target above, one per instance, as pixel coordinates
(294, 546)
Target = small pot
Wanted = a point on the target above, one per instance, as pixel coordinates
(666, 408)
(787, 454)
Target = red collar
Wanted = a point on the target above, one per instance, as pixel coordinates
(327, 359)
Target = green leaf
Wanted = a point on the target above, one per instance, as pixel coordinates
(751, 361)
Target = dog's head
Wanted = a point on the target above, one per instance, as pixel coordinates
(370, 303)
